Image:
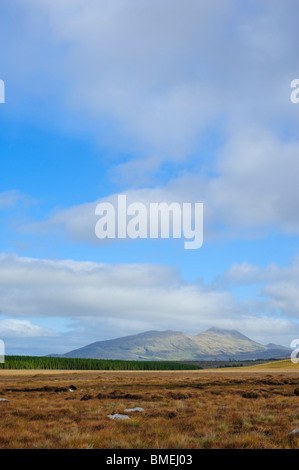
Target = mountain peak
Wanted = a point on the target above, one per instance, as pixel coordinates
(213, 344)
(222, 331)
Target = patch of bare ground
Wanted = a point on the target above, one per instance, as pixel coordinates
(205, 409)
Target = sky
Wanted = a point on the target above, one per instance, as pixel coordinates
(162, 101)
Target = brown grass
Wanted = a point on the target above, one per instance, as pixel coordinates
(203, 409)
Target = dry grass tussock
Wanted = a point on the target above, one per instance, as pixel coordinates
(182, 410)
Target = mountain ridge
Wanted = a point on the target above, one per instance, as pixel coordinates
(212, 344)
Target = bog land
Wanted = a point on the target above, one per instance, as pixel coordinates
(253, 407)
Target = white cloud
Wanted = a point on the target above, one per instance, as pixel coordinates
(15, 328)
(10, 199)
(245, 273)
(279, 285)
(256, 185)
(161, 73)
(111, 300)
(253, 190)
(82, 290)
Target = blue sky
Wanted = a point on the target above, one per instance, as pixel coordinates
(161, 101)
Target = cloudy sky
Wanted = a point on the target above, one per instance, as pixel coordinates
(161, 100)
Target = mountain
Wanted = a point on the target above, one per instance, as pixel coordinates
(213, 344)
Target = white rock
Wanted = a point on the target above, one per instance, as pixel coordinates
(137, 408)
(118, 416)
(295, 431)
(3, 399)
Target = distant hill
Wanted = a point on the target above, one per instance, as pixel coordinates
(213, 344)
(285, 364)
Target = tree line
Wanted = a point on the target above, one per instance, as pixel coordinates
(64, 363)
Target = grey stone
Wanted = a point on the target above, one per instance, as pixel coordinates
(118, 416)
(131, 410)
